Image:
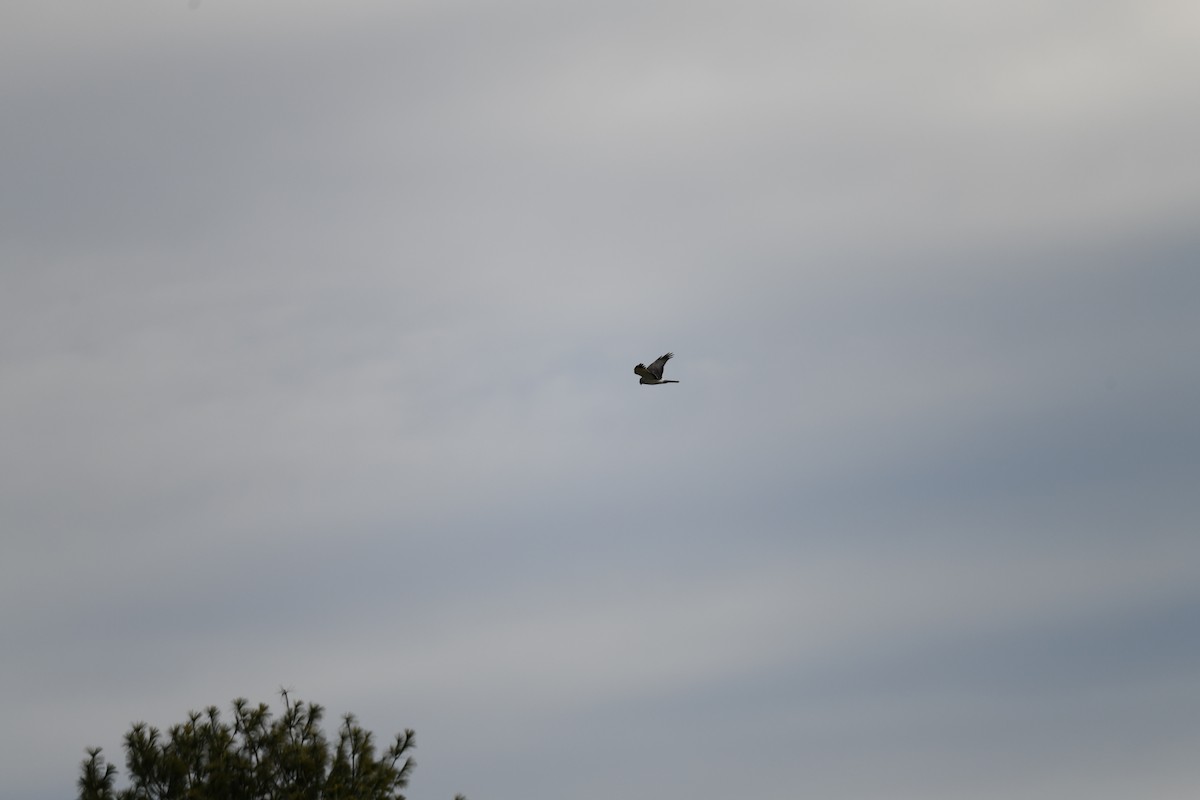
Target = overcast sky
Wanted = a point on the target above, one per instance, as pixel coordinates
(317, 328)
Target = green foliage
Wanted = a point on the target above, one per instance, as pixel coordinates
(96, 782)
(255, 756)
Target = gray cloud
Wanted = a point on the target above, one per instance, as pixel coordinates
(316, 347)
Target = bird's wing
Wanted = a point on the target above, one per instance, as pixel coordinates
(640, 369)
(656, 369)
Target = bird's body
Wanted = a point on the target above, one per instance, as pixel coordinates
(653, 374)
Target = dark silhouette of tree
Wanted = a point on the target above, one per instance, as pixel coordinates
(96, 782)
(255, 756)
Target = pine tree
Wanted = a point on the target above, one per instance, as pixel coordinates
(255, 756)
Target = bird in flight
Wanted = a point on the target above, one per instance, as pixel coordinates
(653, 373)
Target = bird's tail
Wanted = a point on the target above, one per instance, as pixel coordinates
(668, 381)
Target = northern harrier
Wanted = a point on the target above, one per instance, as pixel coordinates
(653, 373)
